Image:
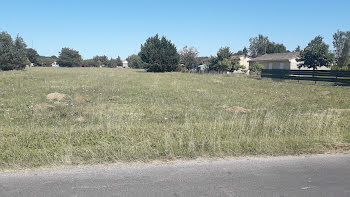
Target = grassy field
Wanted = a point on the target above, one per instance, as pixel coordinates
(101, 115)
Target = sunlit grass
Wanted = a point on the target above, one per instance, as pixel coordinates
(111, 115)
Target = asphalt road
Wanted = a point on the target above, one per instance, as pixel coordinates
(319, 175)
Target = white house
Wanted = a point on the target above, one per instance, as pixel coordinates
(286, 61)
(125, 64)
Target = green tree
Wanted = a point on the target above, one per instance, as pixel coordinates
(224, 53)
(223, 65)
(159, 55)
(6, 46)
(134, 61)
(297, 49)
(89, 63)
(12, 53)
(47, 61)
(188, 57)
(33, 56)
(344, 59)
(69, 58)
(316, 54)
(258, 45)
(119, 61)
(339, 39)
(112, 63)
(223, 61)
(242, 52)
(98, 61)
(273, 47)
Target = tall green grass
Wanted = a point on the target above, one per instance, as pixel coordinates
(114, 115)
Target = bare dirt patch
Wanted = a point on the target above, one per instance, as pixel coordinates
(56, 96)
(324, 93)
(80, 119)
(339, 111)
(237, 109)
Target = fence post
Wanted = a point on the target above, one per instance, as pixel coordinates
(313, 75)
(336, 78)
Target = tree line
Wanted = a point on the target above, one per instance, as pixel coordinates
(158, 54)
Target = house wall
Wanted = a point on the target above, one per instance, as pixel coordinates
(274, 64)
(294, 66)
(244, 62)
(289, 65)
(125, 65)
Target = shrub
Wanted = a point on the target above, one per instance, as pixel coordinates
(134, 61)
(256, 67)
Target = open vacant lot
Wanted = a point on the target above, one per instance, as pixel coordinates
(58, 116)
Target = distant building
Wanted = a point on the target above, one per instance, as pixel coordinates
(286, 61)
(125, 64)
(202, 68)
(54, 64)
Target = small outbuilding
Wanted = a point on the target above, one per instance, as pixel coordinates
(202, 68)
(54, 64)
(125, 64)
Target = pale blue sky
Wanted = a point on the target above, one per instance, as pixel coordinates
(115, 28)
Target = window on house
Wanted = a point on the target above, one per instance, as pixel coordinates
(270, 65)
(281, 65)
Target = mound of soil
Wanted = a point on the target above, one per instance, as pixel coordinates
(55, 96)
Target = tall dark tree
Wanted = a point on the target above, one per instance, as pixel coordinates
(188, 57)
(119, 61)
(316, 54)
(159, 55)
(69, 58)
(33, 56)
(6, 46)
(12, 53)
